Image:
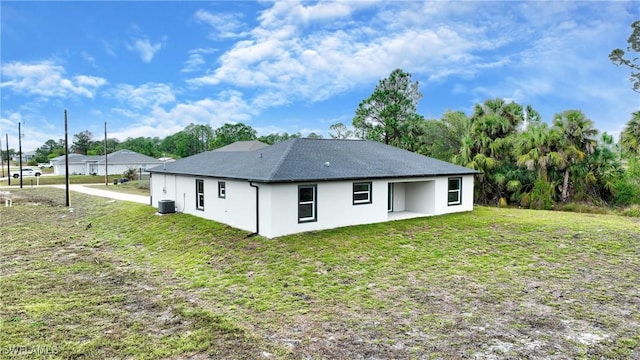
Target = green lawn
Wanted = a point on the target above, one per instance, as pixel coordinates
(131, 187)
(112, 280)
(59, 179)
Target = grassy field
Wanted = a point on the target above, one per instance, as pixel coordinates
(59, 179)
(131, 187)
(114, 280)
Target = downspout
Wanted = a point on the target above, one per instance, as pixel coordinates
(257, 209)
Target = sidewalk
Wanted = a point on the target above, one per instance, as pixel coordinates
(107, 194)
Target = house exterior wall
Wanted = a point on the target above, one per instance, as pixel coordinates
(467, 194)
(419, 196)
(88, 168)
(119, 169)
(59, 169)
(278, 203)
(26, 157)
(398, 196)
(163, 187)
(236, 209)
(335, 208)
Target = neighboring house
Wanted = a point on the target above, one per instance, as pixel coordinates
(243, 146)
(77, 164)
(26, 156)
(117, 163)
(312, 184)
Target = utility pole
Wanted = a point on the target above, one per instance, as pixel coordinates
(8, 161)
(20, 152)
(66, 157)
(2, 159)
(106, 166)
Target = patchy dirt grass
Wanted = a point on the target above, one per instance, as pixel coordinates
(66, 293)
(114, 280)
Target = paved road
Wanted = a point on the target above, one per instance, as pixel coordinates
(107, 194)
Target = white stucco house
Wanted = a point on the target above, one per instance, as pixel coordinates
(311, 184)
(116, 162)
(26, 156)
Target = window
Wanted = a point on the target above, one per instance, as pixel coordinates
(361, 193)
(222, 189)
(455, 187)
(307, 203)
(199, 194)
(390, 197)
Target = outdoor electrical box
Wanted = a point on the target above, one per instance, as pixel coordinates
(166, 206)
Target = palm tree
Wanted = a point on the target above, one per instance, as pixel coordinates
(577, 140)
(605, 166)
(501, 117)
(533, 148)
(630, 138)
(485, 142)
(536, 151)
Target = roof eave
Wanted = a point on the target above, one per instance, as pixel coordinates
(288, 181)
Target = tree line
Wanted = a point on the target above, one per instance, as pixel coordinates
(193, 139)
(522, 159)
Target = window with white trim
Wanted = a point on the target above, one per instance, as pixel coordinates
(222, 189)
(361, 193)
(455, 191)
(307, 205)
(199, 194)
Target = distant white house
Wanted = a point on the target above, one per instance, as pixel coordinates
(116, 163)
(26, 156)
(311, 184)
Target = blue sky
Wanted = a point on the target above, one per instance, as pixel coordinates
(150, 68)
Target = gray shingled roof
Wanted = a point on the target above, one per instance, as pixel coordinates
(243, 146)
(120, 157)
(75, 158)
(125, 157)
(312, 160)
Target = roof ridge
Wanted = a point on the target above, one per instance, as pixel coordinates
(284, 155)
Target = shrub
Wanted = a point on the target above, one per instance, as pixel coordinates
(632, 211)
(541, 196)
(583, 208)
(627, 188)
(143, 184)
(131, 174)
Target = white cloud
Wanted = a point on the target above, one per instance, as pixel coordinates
(35, 130)
(516, 54)
(225, 25)
(46, 78)
(229, 106)
(144, 48)
(295, 12)
(297, 53)
(144, 96)
(196, 59)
